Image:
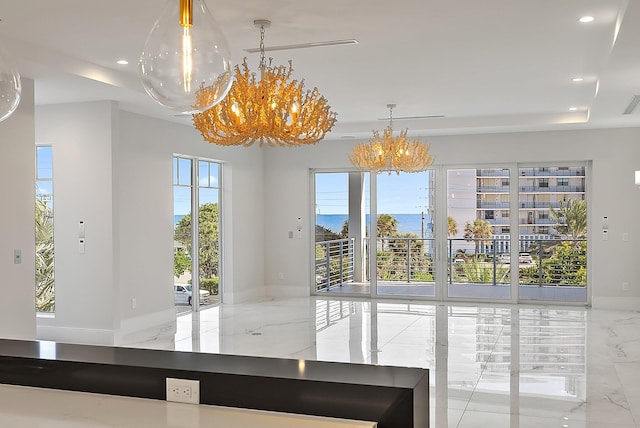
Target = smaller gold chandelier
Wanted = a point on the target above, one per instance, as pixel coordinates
(272, 110)
(387, 153)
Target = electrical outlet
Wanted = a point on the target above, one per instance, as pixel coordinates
(625, 286)
(183, 390)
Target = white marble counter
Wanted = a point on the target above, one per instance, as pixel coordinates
(27, 407)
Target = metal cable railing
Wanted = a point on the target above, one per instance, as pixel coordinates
(542, 262)
(334, 263)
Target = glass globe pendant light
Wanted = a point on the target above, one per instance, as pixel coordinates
(186, 53)
(10, 88)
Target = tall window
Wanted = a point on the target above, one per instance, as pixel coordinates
(196, 190)
(45, 272)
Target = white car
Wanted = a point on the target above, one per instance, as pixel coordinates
(525, 258)
(183, 294)
(504, 259)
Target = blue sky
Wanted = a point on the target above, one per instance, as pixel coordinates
(208, 179)
(44, 173)
(397, 194)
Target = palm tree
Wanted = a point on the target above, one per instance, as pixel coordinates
(45, 271)
(571, 218)
(476, 231)
(452, 226)
(387, 226)
(344, 232)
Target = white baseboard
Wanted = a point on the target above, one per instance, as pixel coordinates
(618, 303)
(287, 291)
(243, 296)
(85, 336)
(158, 323)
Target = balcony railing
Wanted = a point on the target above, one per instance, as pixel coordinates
(500, 221)
(552, 189)
(405, 259)
(541, 205)
(334, 263)
(552, 172)
(553, 263)
(493, 205)
(493, 172)
(538, 222)
(492, 189)
(557, 262)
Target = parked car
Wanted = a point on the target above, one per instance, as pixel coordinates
(525, 258)
(182, 294)
(504, 258)
(458, 260)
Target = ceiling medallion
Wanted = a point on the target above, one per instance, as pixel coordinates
(386, 153)
(274, 109)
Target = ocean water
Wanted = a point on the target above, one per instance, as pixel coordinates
(407, 223)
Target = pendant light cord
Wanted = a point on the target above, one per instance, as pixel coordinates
(263, 60)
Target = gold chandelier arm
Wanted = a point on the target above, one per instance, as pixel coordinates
(386, 153)
(273, 110)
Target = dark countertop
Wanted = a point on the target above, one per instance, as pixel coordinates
(363, 374)
(395, 397)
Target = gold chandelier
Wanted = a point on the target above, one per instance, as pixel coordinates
(387, 153)
(273, 110)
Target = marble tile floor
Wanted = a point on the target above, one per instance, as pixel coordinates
(490, 366)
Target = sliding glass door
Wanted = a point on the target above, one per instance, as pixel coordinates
(478, 233)
(513, 233)
(341, 232)
(405, 250)
(553, 233)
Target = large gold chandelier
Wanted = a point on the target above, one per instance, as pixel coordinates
(273, 110)
(389, 154)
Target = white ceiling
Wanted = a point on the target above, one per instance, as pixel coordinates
(486, 66)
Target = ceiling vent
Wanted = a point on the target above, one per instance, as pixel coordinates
(632, 105)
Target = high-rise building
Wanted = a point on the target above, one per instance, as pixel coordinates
(539, 190)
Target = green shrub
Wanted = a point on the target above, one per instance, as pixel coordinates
(210, 284)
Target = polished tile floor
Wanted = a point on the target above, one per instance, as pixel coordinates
(490, 366)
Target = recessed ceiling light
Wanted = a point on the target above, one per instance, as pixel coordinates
(577, 79)
(573, 108)
(586, 19)
(122, 62)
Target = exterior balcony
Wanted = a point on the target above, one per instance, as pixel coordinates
(552, 189)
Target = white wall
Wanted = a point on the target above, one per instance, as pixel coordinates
(113, 170)
(81, 136)
(615, 154)
(17, 227)
(145, 212)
